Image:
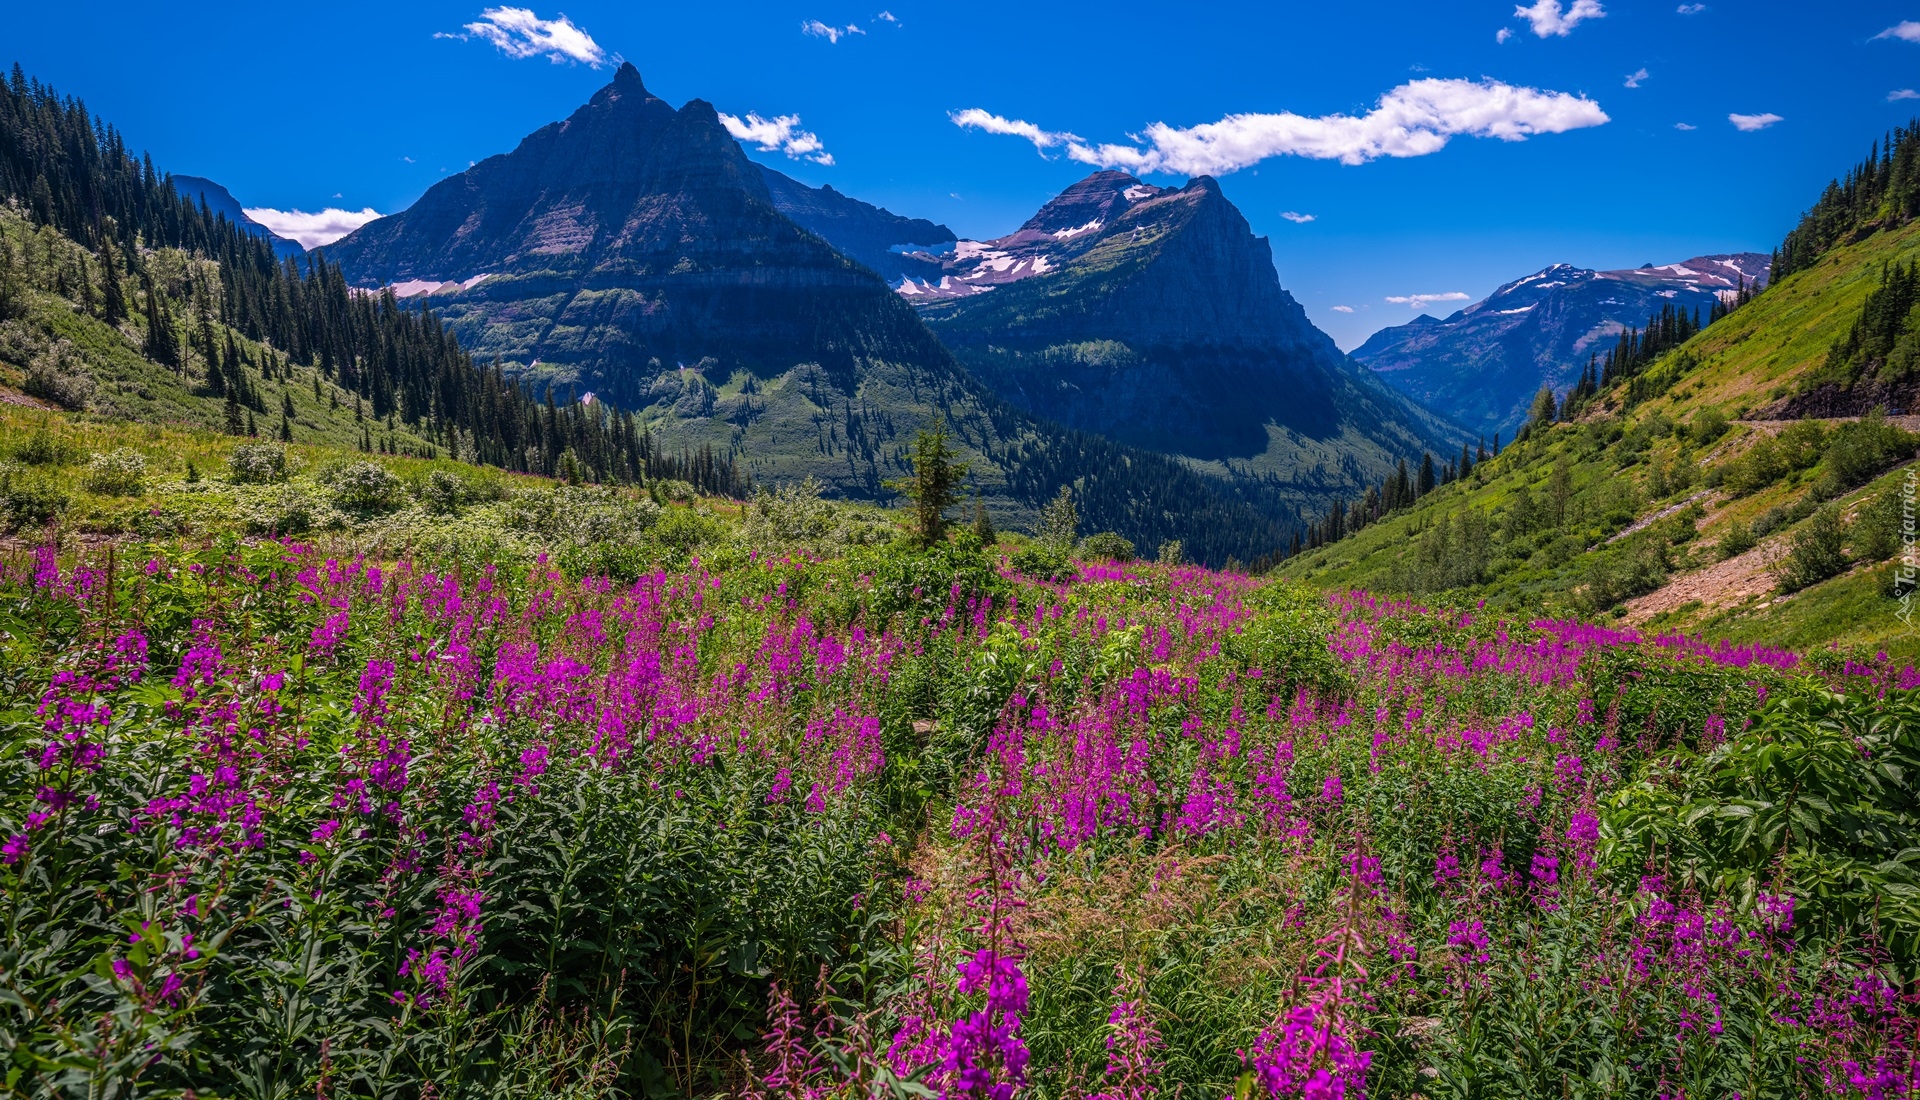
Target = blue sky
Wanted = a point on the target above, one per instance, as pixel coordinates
(365, 105)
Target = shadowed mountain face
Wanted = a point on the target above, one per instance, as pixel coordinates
(625, 241)
(1154, 315)
(1483, 365)
(891, 245)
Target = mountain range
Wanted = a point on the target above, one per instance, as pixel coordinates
(1482, 366)
(1154, 315)
(632, 250)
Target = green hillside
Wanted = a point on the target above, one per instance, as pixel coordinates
(1657, 503)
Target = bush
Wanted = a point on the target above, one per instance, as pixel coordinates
(118, 473)
(684, 530)
(1862, 449)
(1738, 540)
(1816, 553)
(365, 489)
(670, 491)
(290, 508)
(258, 464)
(45, 449)
(792, 515)
(582, 516)
(1708, 425)
(1877, 531)
(1107, 545)
(443, 493)
(27, 502)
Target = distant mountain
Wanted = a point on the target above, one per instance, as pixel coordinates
(1155, 316)
(1483, 365)
(894, 246)
(221, 201)
(633, 250)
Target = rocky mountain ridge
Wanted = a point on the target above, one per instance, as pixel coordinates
(1482, 365)
(1154, 315)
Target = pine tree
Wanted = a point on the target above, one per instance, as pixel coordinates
(234, 423)
(162, 346)
(286, 429)
(1426, 482)
(113, 298)
(935, 483)
(983, 524)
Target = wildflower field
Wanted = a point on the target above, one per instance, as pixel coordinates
(280, 822)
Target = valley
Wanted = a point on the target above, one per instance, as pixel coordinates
(631, 623)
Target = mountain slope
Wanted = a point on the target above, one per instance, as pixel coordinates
(1155, 316)
(221, 201)
(891, 245)
(1482, 365)
(633, 250)
(1665, 513)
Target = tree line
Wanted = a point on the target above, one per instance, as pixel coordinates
(66, 169)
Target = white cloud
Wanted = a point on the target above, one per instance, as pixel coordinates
(519, 33)
(1500, 36)
(1422, 301)
(1297, 217)
(1906, 31)
(976, 119)
(1899, 94)
(312, 230)
(1639, 75)
(780, 134)
(1548, 19)
(1343, 309)
(832, 34)
(1685, 126)
(1691, 9)
(1412, 120)
(1747, 124)
(888, 17)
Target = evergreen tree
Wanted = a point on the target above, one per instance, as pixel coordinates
(1544, 406)
(983, 523)
(113, 296)
(934, 486)
(162, 346)
(1426, 476)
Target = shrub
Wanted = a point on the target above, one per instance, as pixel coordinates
(1172, 553)
(1738, 540)
(684, 530)
(791, 515)
(1816, 553)
(258, 464)
(118, 473)
(1877, 531)
(1708, 425)
(289, 508)
(671, 491)
(581, 516)
(43, 448)
(1862, 449)
(365, 489)
(27, 502)
(1108, 545)
(443, 493)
